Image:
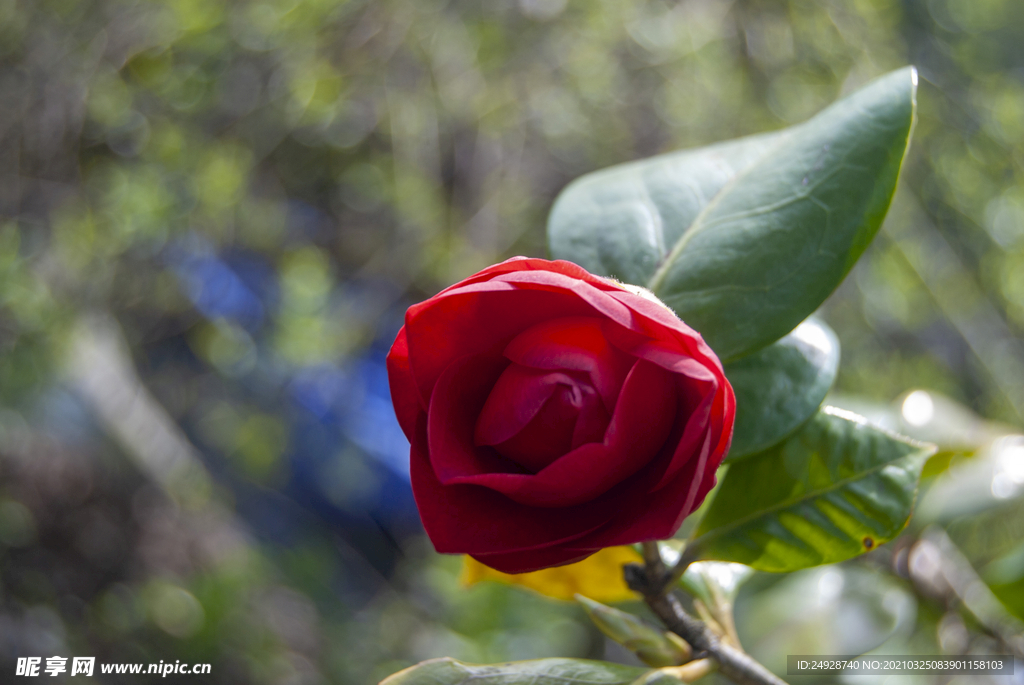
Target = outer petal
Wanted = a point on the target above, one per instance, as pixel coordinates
(559, 266)
(404, 394)
(603, 302)
(654, 515)
(725, 419)
(481, 320)
(525, 562)
(652, 311)
(696, 424)
(659, 322)
(468, 519)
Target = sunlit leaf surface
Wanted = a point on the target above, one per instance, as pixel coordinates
(835, 489)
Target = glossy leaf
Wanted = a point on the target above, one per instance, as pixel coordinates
(653, 646)
(781, 386)
(746, 238)
(622, 221)
(835, 489)
(448, 671)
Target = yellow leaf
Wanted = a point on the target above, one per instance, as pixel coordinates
(599, 576)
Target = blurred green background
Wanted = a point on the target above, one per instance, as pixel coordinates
(214, 214)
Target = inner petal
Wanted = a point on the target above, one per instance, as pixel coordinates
(534, 416)
(573, 415)
(592, 421)
(548, 435)
(515, 399)
(574, 344)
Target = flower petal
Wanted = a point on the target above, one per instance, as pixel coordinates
(599, 299)
(403, 385)
(514, 401)
(656, 320)
(591, 423)
(468, 519)
(480, 321)
(645, 515)
(451, 420)
(696, 422)
(577, 344)
(642, 421)
(525, 562)
(550, 434)
(534, 264)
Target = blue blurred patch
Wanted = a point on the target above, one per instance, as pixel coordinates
(350, 458)
(234, 286)
(347, 457)
(358, 401)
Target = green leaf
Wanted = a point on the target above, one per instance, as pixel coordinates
(835, 489)
(448, 671)
(652, 646)
(745, 239)
(622, 221)
(781, 386)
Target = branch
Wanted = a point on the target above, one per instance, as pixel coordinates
(651, 580)
(655, 565)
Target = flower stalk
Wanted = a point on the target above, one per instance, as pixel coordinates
(653, 582)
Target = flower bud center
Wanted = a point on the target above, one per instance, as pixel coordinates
(535, 416)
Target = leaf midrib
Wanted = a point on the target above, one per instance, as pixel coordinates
(722, 530)
(661, 272)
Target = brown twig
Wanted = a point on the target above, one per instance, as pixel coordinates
(652, 581)
(655, 565)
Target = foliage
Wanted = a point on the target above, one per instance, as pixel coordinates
(747, 238)
(254, 190)
(835, 489)
(780, 386)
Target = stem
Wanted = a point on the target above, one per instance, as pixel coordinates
(655, 565)
(652, 559)
(688, 556)
(651, 581)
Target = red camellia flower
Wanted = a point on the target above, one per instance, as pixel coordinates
(553, 413)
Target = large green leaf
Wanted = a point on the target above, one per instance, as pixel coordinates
(622, 221)
(835, 489)
(746, 238)
(448, 671)
(781, 386)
